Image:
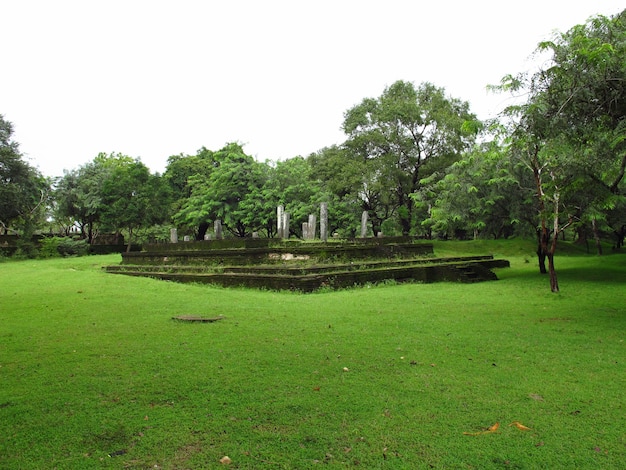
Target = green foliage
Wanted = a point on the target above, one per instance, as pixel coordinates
(568, 133)
(133, 198)
(23, 190)
(398, 135)
(235, 178)
(480, 193)
(113, 192)
(69, 246)
(180, 168)
(48, 247)
(54, 247)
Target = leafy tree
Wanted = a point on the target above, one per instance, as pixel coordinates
(584, 94)
(348, 180)
(480, 193)
(24, 191)
(570, 133)
(220, 196)
(180, 168)
(398, 134)
(78, 194)
(114, 192)
(133, 198)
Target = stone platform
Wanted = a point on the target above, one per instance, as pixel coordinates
(303, 266)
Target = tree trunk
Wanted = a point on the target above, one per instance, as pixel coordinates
(203, 227)
(554, 283)
(376, 225)
(130, 239)
(596, 236)
(542, 247)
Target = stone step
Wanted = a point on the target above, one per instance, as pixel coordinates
(309, 278)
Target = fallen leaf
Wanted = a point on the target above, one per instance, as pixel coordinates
(519, 425)
(494, 428)
(489, 430)
(225, 460)
(534, 396)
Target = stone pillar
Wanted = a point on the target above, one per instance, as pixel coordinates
(286, 218)
(217, 228)
(324, 221)
(173, 235)
(255, 234)
(364, 217)
(280, 210)
(312, 226)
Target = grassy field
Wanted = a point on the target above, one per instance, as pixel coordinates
(94, 373)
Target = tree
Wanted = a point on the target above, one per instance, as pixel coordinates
(401, 133)
(480, 193)
(181, 168)
(585, 99)
(220, 196)
(78, 194)
(133, 198)
(24, 191)
(570, 132)
(348, 175)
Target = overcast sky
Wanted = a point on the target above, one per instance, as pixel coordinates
(152, 78)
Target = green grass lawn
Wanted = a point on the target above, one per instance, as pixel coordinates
(94, 373)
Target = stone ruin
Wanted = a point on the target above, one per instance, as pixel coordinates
(305, 265)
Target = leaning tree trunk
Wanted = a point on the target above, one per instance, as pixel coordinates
(554, 283)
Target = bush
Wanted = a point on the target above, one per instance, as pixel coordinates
(49, 247)
(70, 247)
(26, 249)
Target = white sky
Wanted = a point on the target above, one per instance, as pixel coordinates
(152, 78)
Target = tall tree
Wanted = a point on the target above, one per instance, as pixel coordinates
(480, 193)
(24, 191)
(349, 176)
(133, 198)
(404, 130)
(78, 193)
(180, 168)
(570, 132)
(235, 177)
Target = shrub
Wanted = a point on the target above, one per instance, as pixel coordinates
(48, 247)
(70, 247)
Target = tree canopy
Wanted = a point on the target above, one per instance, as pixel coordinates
(570, 132)
(399, 134)
(23, 190)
